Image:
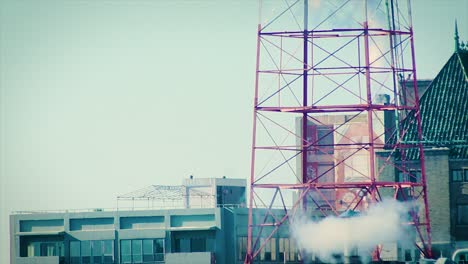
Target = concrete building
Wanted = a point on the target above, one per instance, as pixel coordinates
(214, 231)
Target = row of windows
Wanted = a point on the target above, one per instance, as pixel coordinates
(45, 249)
(276, 249)
(132, 250)
(409, 176)
(194, 244)
(460, 175)
(142, 250)
(95, 251)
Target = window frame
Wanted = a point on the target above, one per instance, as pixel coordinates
(463, 221)
(94, 246)
(156, 256)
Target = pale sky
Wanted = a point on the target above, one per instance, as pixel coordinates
(99, 98)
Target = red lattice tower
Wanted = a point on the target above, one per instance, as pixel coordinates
(336, 115)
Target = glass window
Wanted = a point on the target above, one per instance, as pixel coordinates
(48, 249)
(409, 176)
(138, 251)
(61, 248)
(198, 244)
(159, 249)
(37, 249)
(325, 139)
(402, 177)
(219, 195)
(457, 175)
(417, 255)
(273, 248)
(292, 251)
(242, 247)
(210, 245)
(148, 254)
(90, 251)
(85, 252)
(137, 255)
(43, 249)
(75, 252)
(408, 255)
(262, 252)
(270, 250)
(415, 176)
(108, 248)
(159, 245)
(126, 251)
(281, 249)
(462, 214)
(284, 250)
(97, 251)
(182, 245)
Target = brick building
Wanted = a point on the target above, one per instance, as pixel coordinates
(444, 112)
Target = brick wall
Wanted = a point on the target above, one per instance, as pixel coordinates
(437, 174)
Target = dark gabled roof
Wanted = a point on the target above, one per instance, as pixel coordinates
(444, 109)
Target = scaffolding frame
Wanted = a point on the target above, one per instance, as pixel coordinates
(333, 66)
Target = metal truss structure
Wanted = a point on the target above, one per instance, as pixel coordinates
(164, 196)
(335, 126)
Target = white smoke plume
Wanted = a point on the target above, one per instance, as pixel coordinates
(382, 223)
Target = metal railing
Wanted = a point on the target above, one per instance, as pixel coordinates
(116, 209)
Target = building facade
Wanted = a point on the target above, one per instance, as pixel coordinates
(212, 231)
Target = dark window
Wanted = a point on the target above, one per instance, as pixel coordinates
(182, 245)
(48, 249)
(457, 175)
(270, 250)
(159, 249)
(92, 251)
(230, 195)
(178, 246)
(198, 244)
(409, 176)
(321, 136)
(126, 251)
(108, 253)
(137, 251)
(462, 214)
(148, 254)
(75, 252)
(34, 247)
(283, 249)
(97, 251)
(85, 252)
(408, 255)
(242, 247)
(142, 250)
(325, 139)
(220, 195)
